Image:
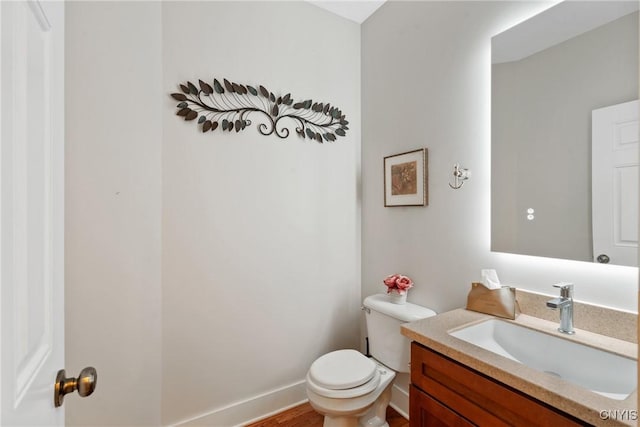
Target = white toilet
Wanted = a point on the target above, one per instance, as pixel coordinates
(352, 390)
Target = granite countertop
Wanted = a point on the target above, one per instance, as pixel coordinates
(432, 332)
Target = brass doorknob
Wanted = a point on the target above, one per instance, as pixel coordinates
(85, 384)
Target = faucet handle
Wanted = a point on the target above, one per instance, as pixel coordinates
(566, 289)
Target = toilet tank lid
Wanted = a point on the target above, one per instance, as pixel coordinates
(404, 312)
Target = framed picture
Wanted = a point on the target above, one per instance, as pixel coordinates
(405, 179)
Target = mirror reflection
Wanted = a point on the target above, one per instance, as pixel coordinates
(550, 75)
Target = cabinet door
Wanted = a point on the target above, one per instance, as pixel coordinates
(477, 398)
(428, 412)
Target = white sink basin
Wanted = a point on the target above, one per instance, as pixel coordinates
(602, 372)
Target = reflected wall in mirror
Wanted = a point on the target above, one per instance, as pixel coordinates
(548, 74)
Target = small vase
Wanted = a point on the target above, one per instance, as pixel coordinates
(397, 298)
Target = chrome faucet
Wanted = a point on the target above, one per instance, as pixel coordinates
(565, 305)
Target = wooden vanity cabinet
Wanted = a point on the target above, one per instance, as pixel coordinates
(445, 393)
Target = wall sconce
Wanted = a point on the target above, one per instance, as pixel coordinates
(460, 175)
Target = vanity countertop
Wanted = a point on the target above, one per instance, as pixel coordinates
(432, 332)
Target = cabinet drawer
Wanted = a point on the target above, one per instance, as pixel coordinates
(478, 398)
(425, 411)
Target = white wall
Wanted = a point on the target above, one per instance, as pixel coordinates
(426, 83)
(114, 98)
(261, 236)
(252, 243)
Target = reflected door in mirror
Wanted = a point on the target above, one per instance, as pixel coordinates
(615, 184)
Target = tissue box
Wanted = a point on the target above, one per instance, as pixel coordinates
(496, 302)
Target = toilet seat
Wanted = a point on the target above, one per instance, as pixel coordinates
(342, 369)
(348, 393)
(343, 374)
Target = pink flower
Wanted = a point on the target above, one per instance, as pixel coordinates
(391, 280)
(404, 283)
(398, 283)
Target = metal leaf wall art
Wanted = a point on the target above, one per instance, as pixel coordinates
(227, 107)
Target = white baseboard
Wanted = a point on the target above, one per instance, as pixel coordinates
(400, 401)
(272, 402)
(253, 409)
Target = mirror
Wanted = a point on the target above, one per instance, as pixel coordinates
(548, 74)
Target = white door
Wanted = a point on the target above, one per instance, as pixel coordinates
(615, 184)
(31, 211)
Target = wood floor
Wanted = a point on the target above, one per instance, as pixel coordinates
(305, 416)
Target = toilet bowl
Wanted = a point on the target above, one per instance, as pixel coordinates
(352, 390)
(349, 389)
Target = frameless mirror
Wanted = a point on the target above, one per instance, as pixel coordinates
(550, 74)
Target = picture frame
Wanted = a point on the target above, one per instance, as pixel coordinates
(406, 178)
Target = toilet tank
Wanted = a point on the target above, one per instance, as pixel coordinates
(386, 344)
